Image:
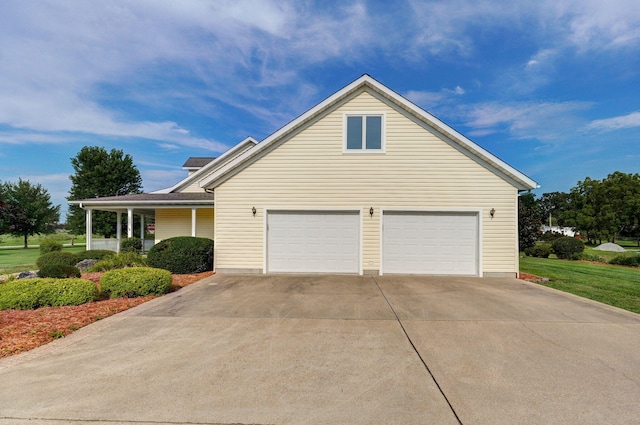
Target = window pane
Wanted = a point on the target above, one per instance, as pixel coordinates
(374, 133)
(354, 132)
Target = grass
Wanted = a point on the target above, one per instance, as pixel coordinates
(614, 285)
(63, 238)
(15, 260)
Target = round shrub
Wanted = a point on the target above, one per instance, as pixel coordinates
(56, 258)
(33, 293)
(50, 245)
(566, 246)
(135, 282)
(93, 254)
(539, 251)
(131, 245)
(58, 271)
(182, 255)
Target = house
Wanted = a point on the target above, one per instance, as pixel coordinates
(364, 182)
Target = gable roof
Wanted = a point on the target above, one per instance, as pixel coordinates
(366, 82)
(218, 162)
(196, 162)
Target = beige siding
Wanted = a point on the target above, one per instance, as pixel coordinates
(310, 170)
(171, 222)
(204, 223)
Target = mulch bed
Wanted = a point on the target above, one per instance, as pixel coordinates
(532, 277)
(23, 330)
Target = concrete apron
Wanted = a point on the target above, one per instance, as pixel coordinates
(338, 349)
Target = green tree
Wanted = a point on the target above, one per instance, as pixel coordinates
(99, 173)
(528, 221)
(27, 210)
(604, 209)
(554, 208)
(621, 203)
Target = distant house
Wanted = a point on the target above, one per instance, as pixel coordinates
(363, 182)
(565, 231)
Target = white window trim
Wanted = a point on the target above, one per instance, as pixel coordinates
(383, 132)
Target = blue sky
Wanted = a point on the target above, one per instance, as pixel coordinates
(552, 88)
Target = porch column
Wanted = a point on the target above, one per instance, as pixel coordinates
(193, 222)
(129, 222)
(118, 229)
(142, 227)
(89, 227)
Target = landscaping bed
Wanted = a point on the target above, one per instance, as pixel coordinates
(23, 330)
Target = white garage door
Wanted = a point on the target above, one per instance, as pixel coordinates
(315, 241)
(430, 243)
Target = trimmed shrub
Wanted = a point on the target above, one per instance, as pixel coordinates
(131, 245)
(56, 258)
(135, 282)
(49, 245)
(182, 255)
(583, 256)
(94, 254)
(58, 271)
(626, 260)
(119, 261)
(539, 251)
(33, 293)
(566, 246)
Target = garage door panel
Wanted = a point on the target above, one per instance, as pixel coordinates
(430, 243)
(316, 241)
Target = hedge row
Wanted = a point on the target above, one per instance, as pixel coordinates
(132, 282)
(33, 293)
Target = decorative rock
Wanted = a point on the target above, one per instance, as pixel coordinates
(27, 275)
(86, 264)
(613, 247)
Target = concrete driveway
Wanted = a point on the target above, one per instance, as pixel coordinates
(247, 349)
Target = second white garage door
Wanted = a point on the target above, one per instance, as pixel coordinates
(313, 241)
(430, 243)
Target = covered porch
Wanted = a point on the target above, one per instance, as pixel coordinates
(173, 214)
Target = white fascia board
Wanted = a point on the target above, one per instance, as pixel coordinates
(247, 143)
(157, 204)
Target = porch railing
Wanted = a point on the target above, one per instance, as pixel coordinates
(111, 244)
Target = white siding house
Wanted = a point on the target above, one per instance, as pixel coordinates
(364, 182)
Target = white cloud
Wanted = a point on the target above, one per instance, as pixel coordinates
(430, 99)
(57, 76)
(546, 121)
(616, 123)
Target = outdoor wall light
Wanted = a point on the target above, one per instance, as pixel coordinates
(253, 210)
(371, 211)
(492, 212)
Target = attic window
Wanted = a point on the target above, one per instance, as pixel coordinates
(364, 133)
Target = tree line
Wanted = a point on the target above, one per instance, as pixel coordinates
(600, 210)
(26, 209)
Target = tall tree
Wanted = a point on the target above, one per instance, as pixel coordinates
(553, 208)
(27, 210)
(529, 223)
(99, 173)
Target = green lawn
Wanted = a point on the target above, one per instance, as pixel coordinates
(14, 260)
(614, 285)
(63, 238)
